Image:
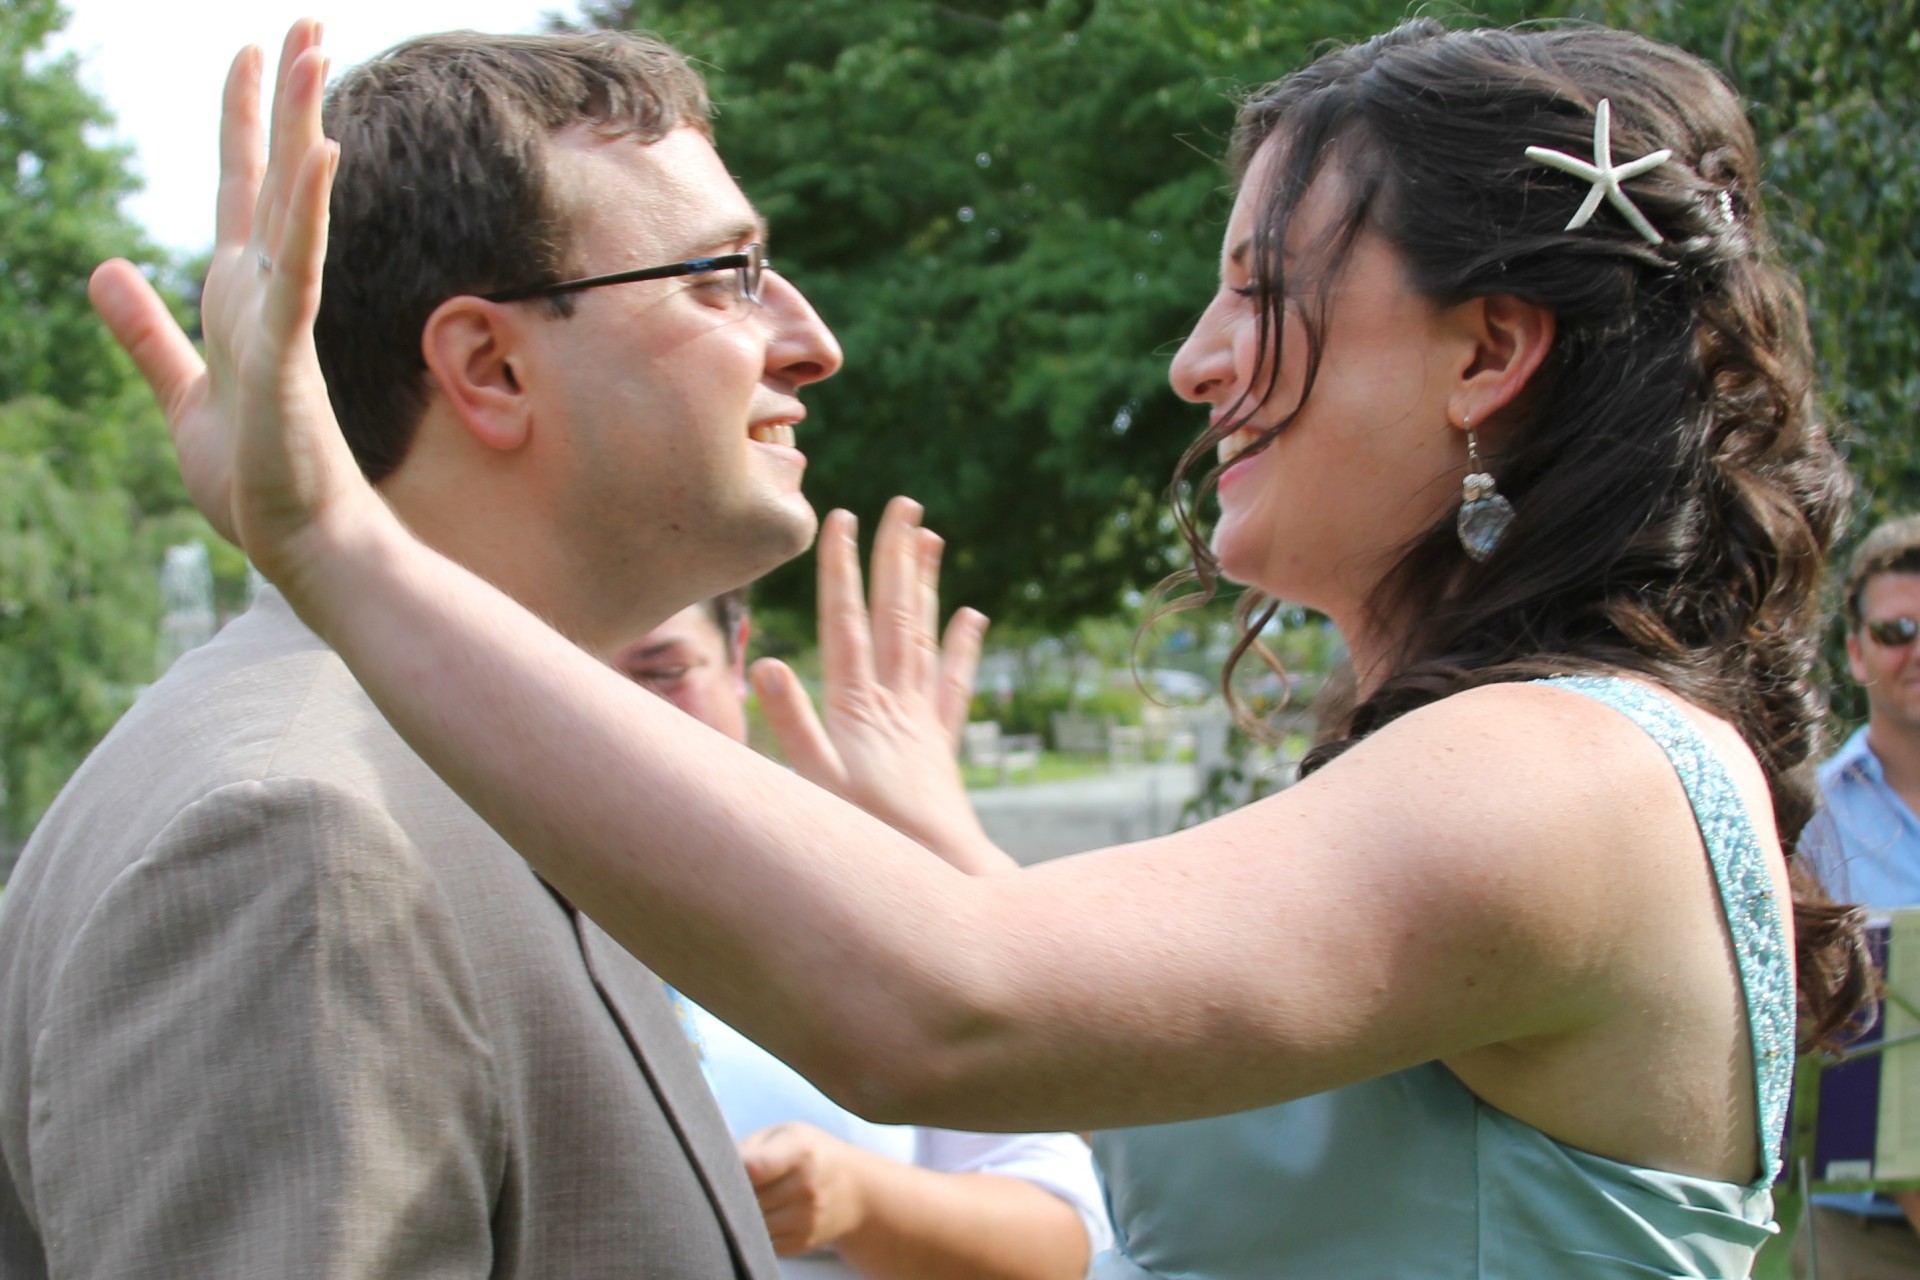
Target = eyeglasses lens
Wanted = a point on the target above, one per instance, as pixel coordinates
(749, 275)
(1894, 632)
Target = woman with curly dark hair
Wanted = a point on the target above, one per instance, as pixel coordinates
(1504, 380)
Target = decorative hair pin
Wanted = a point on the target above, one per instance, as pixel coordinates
(1604, 174)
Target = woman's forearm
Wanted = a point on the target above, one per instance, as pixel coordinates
(663, 833)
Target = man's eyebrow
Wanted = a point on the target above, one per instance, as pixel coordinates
(746, 231)
(654, 650)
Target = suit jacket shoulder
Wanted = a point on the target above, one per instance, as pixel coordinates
(259, 950)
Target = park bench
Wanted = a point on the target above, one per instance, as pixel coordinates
(984, 746)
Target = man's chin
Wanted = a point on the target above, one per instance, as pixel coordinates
(743, 544)
(804, 525)
(783, 531)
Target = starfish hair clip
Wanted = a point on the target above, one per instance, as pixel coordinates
(1604, 174)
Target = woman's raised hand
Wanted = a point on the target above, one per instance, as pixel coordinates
(896, 697)
(256, 437)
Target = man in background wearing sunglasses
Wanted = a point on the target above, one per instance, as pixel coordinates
(1866, 842)
(273, 1001)
(1872, 785)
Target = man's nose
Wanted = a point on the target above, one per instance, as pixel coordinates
(803, 349)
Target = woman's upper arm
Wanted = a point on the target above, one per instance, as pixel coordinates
(1465, 877)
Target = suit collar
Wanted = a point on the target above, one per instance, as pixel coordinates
(638, 1002)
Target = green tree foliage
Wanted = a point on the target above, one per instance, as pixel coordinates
(77, 605)
(88, 491)
(1836, 89)
(59, 203)
(1837, 92)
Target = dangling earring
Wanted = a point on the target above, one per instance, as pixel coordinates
(1484, 514)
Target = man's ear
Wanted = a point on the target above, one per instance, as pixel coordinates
(471, 347)
(1509, 340)
(1856, 663)
(742, 631)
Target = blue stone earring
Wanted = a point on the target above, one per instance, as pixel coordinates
(1484, 514)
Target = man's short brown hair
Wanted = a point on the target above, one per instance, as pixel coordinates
(443, 190)
(1894, 547)
(727, 611)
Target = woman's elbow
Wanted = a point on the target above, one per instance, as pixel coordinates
(912, 1064)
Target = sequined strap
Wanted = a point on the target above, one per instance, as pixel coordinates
(1741, 870)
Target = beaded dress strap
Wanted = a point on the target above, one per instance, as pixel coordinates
(1746, 890)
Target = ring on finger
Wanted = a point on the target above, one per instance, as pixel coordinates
(265, 263)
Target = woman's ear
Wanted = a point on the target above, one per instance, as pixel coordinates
(1509, 339)
(471, 347)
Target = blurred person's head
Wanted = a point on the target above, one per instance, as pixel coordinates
(1882, 607)
(606, 454)
(697, 660)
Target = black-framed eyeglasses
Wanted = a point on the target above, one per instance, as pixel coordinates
(1893, 632)
(747, 266)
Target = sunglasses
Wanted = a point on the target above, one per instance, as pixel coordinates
(1893, 632)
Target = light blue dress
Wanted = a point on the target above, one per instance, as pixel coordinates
(1411, 1177)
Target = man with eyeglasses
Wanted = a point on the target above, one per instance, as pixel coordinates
(1866, 843)
(273, 1001)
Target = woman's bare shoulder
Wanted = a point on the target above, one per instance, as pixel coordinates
(1529, 729)
(1539, 788)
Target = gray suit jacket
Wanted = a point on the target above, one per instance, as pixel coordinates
(275, 1003)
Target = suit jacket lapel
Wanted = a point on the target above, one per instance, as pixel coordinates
(638, 1001)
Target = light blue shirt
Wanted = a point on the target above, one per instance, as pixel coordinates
(1865, 844)
(1865, 841)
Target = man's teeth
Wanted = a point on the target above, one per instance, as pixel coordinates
(772, 433)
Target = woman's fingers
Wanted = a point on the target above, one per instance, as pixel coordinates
(959, 661)
(293, 293)
(295, 129)
(243, 152)
(895, 645)
(846, 639)
(927, 587)
(291, 462)
(139, 321)
(795, 725)
(903, 656)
